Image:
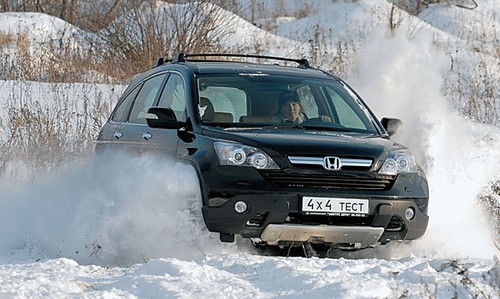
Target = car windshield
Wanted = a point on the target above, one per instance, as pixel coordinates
(261, 100)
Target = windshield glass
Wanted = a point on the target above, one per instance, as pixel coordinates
(256, 100)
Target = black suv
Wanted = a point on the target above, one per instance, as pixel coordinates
(285, 155)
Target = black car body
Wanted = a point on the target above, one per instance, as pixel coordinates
(335, 179)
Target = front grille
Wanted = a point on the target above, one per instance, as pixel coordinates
(330, 180)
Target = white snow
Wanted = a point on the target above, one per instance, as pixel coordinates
(251, 276)
(130, 227)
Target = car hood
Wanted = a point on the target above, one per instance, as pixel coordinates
(301, 142)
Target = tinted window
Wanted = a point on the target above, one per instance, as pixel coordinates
(174, 96)
(123, 108)
(145, 99)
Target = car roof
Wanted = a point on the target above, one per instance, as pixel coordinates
(211, 66)
(243, 67)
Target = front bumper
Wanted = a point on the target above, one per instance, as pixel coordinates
(275, 219)
(274, 215)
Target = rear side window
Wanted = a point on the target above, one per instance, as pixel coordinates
(123, 108)
(145, 99)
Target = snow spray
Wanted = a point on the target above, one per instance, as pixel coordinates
(460, 158)
(114, 210)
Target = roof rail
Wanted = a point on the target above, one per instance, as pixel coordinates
(181, 57)
(161, 61)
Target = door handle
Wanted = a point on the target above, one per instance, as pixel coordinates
(147, 136)
(118, 134)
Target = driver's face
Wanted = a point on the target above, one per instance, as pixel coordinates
(290, 110)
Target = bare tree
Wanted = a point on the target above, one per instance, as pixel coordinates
(111, 14)
(69, 10)
(5, 5)
(150, 30)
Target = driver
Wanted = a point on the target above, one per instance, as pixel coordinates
(291, 110)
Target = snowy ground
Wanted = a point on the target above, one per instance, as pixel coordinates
(237, 276)
(92, 230)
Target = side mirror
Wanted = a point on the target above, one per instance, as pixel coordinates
(158, 117)
(391, 125)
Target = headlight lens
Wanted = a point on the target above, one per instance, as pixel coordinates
(398, 162)
(237, 154)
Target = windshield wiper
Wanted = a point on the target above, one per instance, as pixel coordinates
(316, 127)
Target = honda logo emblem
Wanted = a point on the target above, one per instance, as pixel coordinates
(332, 163)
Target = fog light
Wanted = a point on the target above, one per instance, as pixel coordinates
(410, 214)
(240, 207)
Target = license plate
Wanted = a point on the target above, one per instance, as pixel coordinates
(335, 206)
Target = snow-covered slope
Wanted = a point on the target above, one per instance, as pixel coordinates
(478, 26)
(44, 34)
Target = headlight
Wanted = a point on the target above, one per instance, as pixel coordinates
(398, 162)
(238, 154)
